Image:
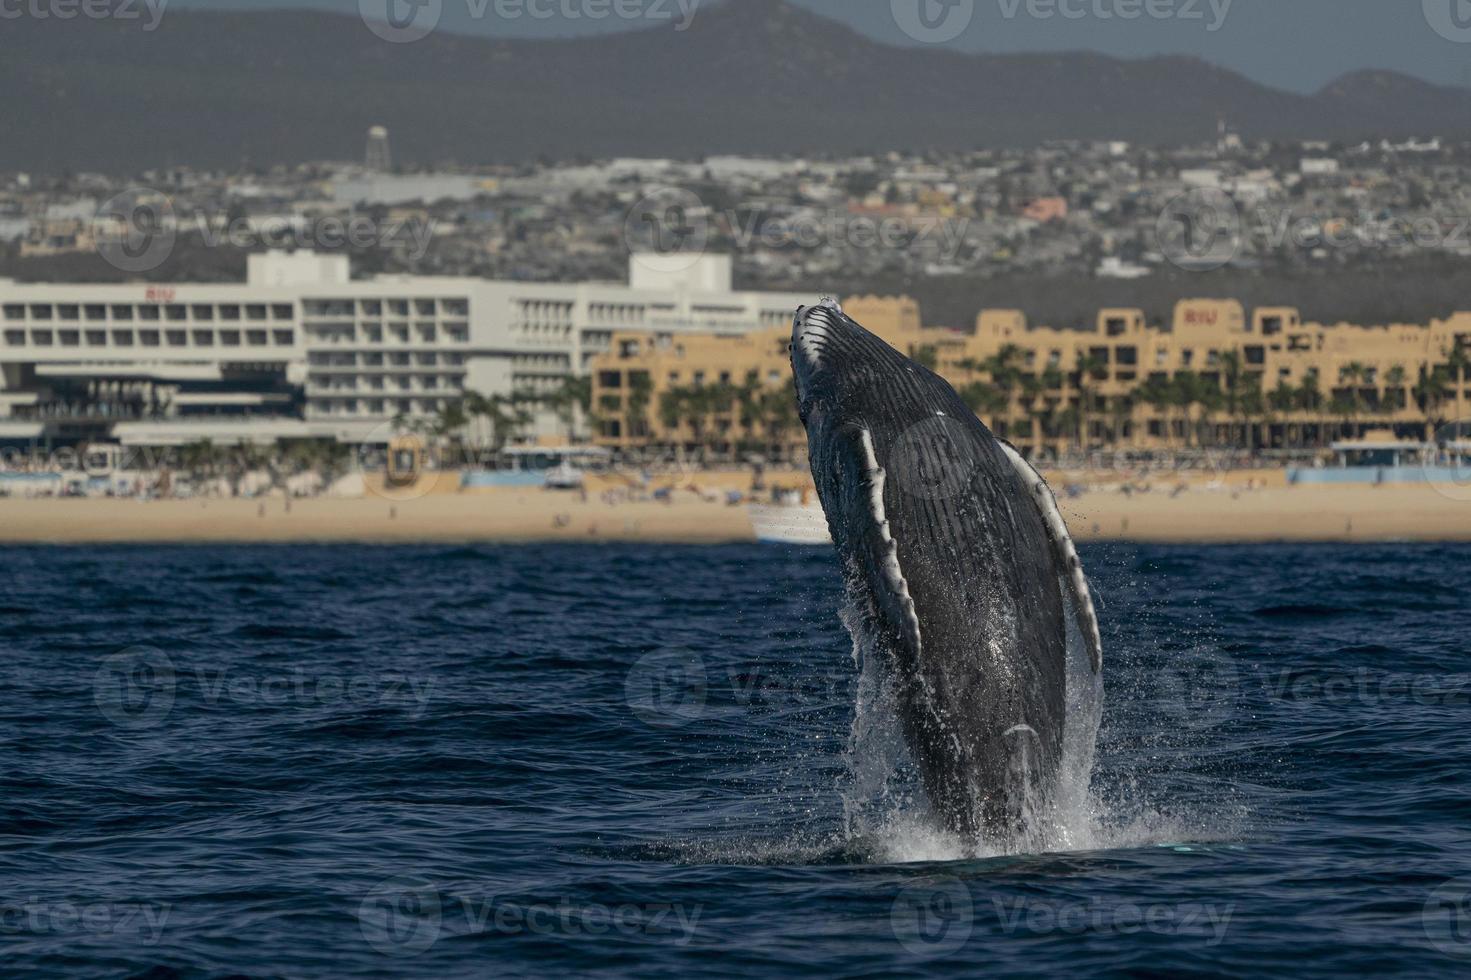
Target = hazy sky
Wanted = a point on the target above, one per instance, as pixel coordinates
(1296, 44)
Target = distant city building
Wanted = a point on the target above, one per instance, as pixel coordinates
(378, 158)
(301, 349)
(1215, 377)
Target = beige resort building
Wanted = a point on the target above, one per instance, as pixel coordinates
(1214, 377)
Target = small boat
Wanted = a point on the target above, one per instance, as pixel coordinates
(789, 523)
(564, 476)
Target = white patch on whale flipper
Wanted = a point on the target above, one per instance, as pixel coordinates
(1067, 553)
(893, 573)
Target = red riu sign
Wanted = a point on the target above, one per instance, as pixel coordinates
(160, 294)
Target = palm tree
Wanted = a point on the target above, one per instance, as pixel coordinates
(1394, 390)
(636, 409)
(1088, 370)
(1430, 393)
(573, 395)
(1282, 400)
(1155, 392)
(1353, 375)
(499, 412)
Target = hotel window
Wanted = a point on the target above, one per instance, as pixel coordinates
(229, 338)
(95, 311)
(122, 312)
(148, 312)
(1256, 355)
(71, 338)
(256, 338)
(457, 307)
(1127, 355)
(398, 307)
(15, 338)
(281, 311)
(283, 338)
(176, 338)
(204, 338)
(371, 307)
(400, 334)
(424, 307)
(373, 334)
(1186, 357)
(229, 311)
(426, 333)
(176, 311)
(41, 338)
(255, 311)
(204, 311)
(68, 311)
(96, 338)
(40, 311)
(122, 338)
(15, 311)
(148, 338)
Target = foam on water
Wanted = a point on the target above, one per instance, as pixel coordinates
(888, 816)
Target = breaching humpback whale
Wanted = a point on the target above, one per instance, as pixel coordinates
(960, 565)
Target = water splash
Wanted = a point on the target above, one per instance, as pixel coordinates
(887, 814)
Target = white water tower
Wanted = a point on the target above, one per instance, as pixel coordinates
(378, 158)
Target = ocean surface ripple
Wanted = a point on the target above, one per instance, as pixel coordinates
(643, 761)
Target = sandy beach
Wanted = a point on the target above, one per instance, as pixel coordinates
(1226, 513)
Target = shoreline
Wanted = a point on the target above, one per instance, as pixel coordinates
(1225, 515)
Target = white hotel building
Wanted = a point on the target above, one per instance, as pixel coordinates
(300, 349)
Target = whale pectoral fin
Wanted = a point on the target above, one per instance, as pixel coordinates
(1064, 551)
(864, 523)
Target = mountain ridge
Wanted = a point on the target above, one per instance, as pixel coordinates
(221, 89)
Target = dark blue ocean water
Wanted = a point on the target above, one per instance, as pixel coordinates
(354, 761)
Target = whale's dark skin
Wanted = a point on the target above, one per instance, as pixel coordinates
(953, 564)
